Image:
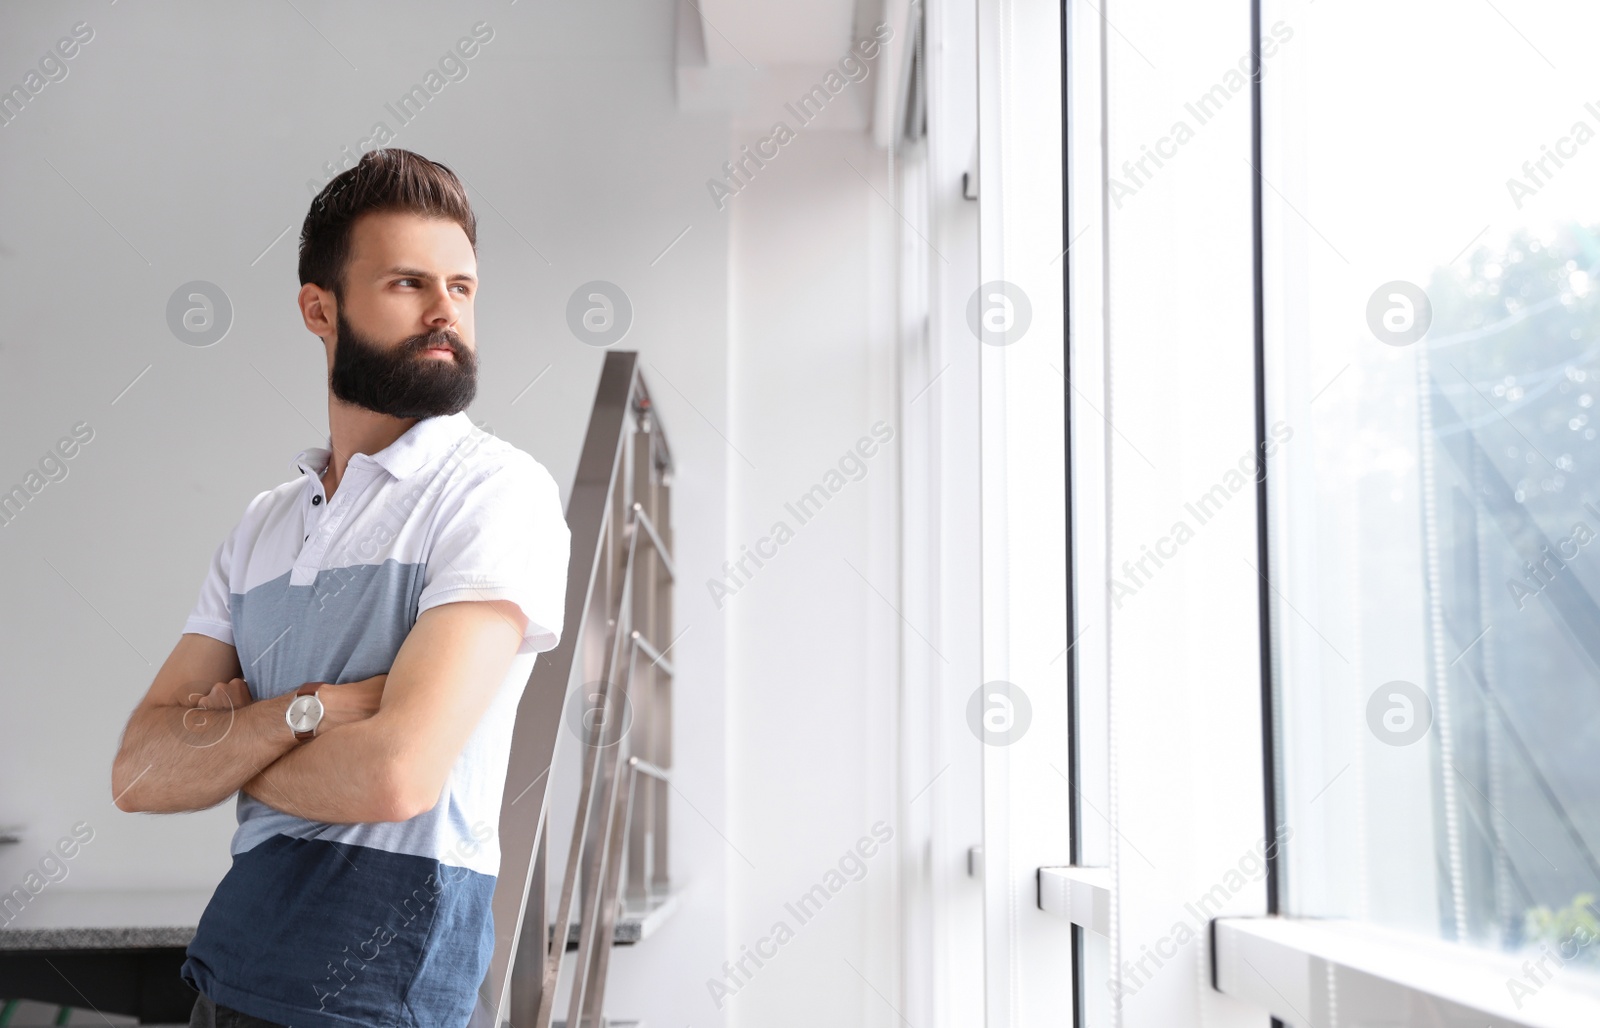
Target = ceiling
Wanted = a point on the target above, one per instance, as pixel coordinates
(752, 57)
(776, 32)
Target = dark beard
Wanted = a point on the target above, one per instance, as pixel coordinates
(401, 381)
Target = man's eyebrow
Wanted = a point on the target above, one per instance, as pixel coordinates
(419, 273)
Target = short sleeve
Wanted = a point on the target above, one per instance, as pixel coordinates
(504, 537)
(213, 611)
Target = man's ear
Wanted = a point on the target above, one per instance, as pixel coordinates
(317, 310)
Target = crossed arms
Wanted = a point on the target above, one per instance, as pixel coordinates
(382, 753)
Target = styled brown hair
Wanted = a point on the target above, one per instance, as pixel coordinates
(387, 179)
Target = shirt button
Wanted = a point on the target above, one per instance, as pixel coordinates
(315, 500)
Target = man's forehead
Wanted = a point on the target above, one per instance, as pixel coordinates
(400, 240)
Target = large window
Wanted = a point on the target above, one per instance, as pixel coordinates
(1431, 230)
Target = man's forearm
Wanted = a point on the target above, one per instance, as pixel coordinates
(177, 759)
(348, 775)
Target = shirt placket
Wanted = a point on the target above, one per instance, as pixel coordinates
(323, 522)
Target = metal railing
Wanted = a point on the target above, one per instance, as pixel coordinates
(617, 630)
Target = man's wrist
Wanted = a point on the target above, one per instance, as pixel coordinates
(276, 713)
(306, 713)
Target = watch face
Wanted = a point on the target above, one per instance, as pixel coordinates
(304, 713)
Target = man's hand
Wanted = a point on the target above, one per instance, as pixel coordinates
(351, 702)
(226, 696)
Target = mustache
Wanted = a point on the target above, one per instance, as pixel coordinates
(443, 337)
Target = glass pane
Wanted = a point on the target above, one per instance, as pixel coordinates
(1432, 234)
(1094, 1010)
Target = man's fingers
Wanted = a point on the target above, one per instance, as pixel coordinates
(226, 695)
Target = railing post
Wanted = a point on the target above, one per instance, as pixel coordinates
(659, 731)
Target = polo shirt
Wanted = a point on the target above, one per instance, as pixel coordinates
(387, 923)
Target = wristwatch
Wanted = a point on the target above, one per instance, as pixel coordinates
(304, 713)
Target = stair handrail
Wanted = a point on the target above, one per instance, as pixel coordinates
(519, 985)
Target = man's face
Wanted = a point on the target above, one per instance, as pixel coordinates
(410, 284)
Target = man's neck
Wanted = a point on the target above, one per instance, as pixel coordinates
(357, 430)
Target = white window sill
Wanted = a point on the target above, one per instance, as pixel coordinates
(1313, 973)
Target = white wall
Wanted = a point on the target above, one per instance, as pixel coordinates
(811, 664)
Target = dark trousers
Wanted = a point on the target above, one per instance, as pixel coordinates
(207, 1014)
